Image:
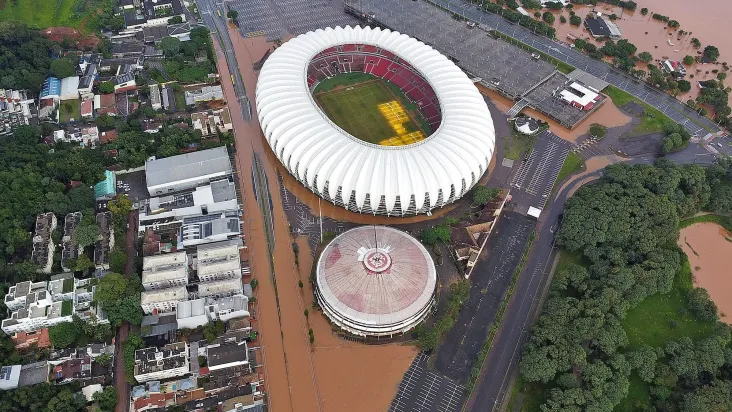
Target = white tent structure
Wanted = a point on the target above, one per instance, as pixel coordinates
(366, 177)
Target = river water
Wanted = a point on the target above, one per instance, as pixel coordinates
(703, 19)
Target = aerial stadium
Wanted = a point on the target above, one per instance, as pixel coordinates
(374, 121)
(375, 282)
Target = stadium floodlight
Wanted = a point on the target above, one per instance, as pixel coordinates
(370, 177)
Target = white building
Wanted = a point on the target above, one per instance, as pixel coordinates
(204, 94)
(217, 261)
(9, 377)
(155, 99)
(193, 313)
(165, 271)
(40, 305)
(212, 121)
(228, 355)
(69, 88)
(220, 288)
(186, 171)
(167, 362)
(162, 300)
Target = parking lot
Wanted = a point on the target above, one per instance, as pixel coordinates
(133, 184)
(274, 18)
(534, 179)
(544, 98)
(424, 390)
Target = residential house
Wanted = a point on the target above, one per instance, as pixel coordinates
(155, 98)
(104, 245)
(87, 108)
(204, 94)
(16, 109)
(170, 361)
(158, 12)
(212, 121)
(71, 248)
(107, 105)
(165, 271)
(43, 246)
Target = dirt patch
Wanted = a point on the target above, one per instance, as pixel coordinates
(58, 34)
(344, 369)
(708, 247)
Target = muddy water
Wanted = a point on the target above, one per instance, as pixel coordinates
(608, 114)
(703, 19)
(709, 247)
(343, 368)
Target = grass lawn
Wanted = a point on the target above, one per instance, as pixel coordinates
(70, 109)
(572, 164)
(724, 221)
(370, 111)
(649, 322)
(516, 144)
(527, 396)
(180, 99)
(652, 120)
(44, 13)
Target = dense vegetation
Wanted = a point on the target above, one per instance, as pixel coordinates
(44, 398)
(25, 57)
(34, 179)
(191, 61)
(625, 228)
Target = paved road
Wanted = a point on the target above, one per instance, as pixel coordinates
(123, 388)
(673, 108)
(210, 17)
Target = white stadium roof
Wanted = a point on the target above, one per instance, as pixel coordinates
(321, 155)
(375, 281)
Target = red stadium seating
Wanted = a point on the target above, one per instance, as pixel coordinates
(382, 63)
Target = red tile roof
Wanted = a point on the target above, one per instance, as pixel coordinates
(108, 136)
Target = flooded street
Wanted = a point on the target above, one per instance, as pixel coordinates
(343, 368)
(709, 247)
(703, 19)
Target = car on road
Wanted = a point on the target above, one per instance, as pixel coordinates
(535, 56)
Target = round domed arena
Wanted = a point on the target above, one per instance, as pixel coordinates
(374, 121)
(375, 282)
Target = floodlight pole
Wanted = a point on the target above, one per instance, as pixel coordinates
(320, 213)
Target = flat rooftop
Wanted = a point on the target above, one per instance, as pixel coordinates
(188, 166)
(163, 295)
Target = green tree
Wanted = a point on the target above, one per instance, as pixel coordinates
(117, 260)
(105, 121)
(721, 76)
(170, 46)
(716, 397)
(702, 305)
(645, 56)
(548, 17)
(644, 11)
(175, 20)
(81, 198)
(111, 289)
(688, 60)
(562, 19)
(232, 14)
(643, 361)
(81, 263)
(63, 67)
(575, 20)
(711, 53)
(63, 335)
(598, 130)
(107, 399)
(684, 86)
(87, 235)
(213, 330)
(126, 309)
(120, 206)
(106, 87)
(66, 401)
(483, 195)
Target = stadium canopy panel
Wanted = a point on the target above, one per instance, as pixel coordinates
(375, 281)
(366, 177)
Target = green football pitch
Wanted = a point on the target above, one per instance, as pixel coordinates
(356, 103)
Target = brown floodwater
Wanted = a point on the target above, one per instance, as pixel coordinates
(703, 19)
(344, 369)
(607, 114)
(709, 247)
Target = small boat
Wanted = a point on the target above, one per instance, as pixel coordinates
(669, 42)
(677, 50)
